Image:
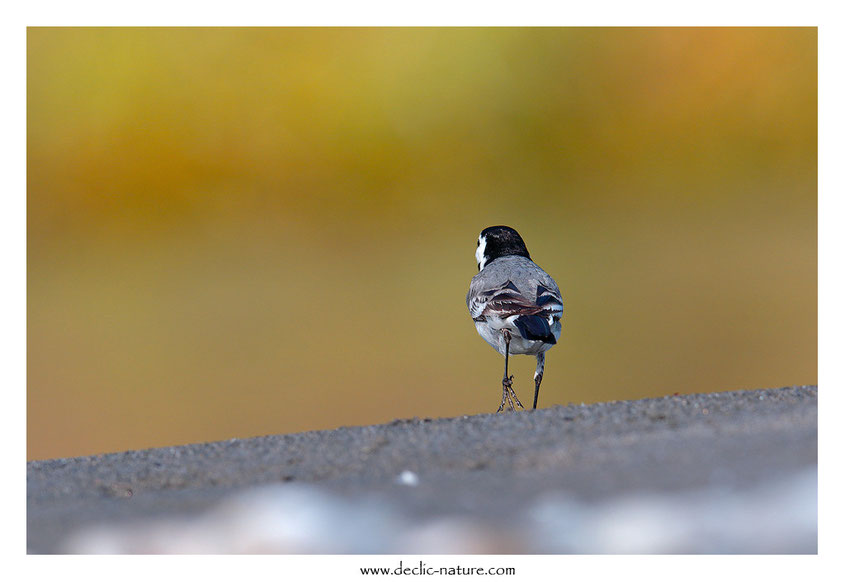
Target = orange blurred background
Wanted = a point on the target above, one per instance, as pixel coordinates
(244, 231)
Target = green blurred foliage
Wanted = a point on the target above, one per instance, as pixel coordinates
(244, 231)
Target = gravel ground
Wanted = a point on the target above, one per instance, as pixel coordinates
(713, 473)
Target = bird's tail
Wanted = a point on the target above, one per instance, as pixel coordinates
(535, 327)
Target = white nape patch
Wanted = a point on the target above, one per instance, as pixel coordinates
(479, 252)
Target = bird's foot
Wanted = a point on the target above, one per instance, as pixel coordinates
(509, 396)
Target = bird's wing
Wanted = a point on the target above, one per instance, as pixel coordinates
(549, 300)
(506, 300)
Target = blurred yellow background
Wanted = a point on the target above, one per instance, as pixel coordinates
(244, 231)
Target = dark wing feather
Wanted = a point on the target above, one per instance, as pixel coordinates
(549, 301)
(506, 303)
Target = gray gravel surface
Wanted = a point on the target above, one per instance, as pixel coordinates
(492, 466)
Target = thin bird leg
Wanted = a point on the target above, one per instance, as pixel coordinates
(538, 375)
(507, 381)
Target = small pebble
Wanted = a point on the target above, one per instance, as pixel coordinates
(408, 478)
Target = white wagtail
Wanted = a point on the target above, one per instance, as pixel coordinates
(516, 305)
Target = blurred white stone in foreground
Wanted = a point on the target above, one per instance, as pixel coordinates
(774, 517)
(408, 478)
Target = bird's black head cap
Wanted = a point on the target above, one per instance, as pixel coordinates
(499, 241)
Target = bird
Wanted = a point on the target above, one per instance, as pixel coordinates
(516, 306)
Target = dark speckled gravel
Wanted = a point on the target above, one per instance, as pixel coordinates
(486, 464)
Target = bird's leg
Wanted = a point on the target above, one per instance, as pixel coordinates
(507, 381)
(538, 375)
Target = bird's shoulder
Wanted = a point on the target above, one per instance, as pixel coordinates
(523, 273)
